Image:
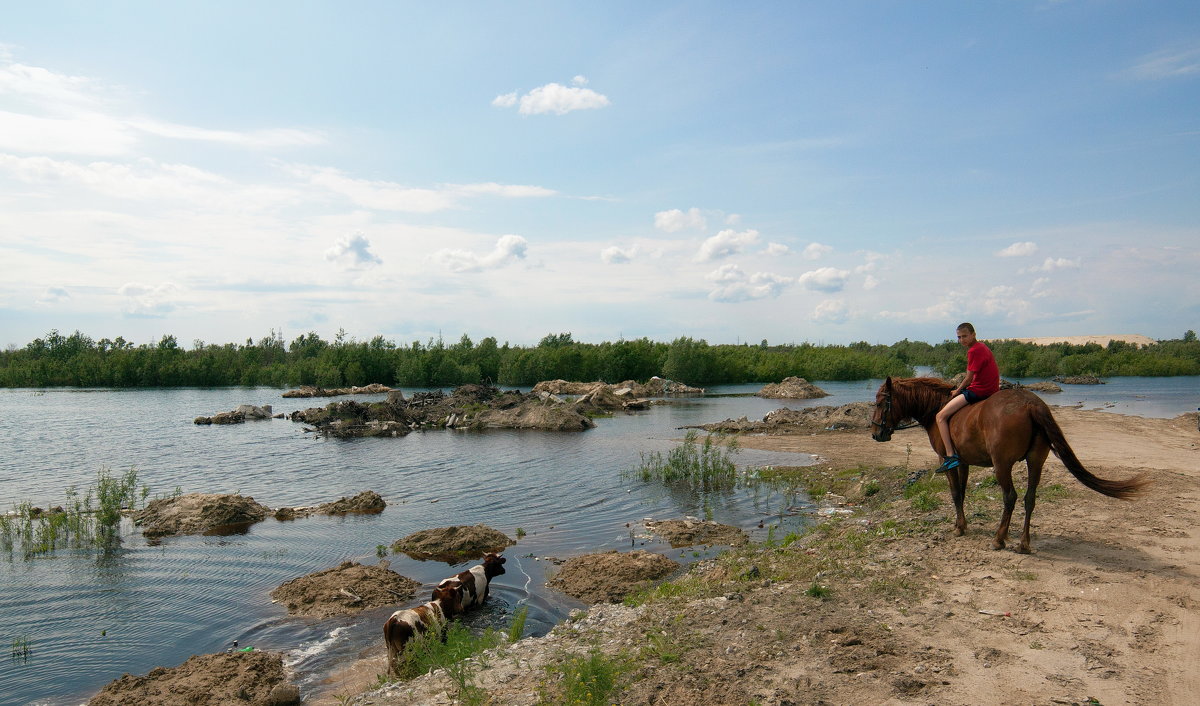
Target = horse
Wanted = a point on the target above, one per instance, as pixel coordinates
(1007, 427)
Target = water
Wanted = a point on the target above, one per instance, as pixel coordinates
(90, 618)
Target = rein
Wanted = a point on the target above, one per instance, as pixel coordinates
(887, 414)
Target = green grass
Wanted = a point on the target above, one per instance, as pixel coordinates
(91, 521)
(816, 590)
(21, 648)
(588, 680)
(707, 466)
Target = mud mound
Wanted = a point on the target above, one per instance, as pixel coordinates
(366, 502)
(610, 576)
(1043, 387)
(792, 388)
(856, 415)
(533, 414)
(690, 532)
(310, 391)
(453, 544)
(344, 590)
(251, 678)
(1078, 379)
(198, 513)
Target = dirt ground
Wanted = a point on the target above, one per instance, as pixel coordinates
(884, 606)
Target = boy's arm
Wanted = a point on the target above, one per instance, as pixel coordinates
(965, 383)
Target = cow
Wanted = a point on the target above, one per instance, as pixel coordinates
(404, 625)
(475, 580)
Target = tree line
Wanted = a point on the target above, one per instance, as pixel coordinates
(77, 360)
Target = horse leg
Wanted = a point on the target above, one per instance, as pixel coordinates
(1034, 461)
(957, 478)
(1004, 479)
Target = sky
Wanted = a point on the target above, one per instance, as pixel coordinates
(823, 172)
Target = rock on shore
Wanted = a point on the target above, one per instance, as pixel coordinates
(312, 391)
(654, 387)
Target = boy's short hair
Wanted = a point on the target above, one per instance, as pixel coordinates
(964, 326)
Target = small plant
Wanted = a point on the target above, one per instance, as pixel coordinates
(816, 590)
(707, 466)
(20, 648)
(585, 680)
(381, 550)
(871, 488)
(517, 627)
(520, 532)
(660, 647)
(1036, 645)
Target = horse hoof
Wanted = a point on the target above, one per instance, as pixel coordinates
(958, 532)
(1023, 550)
(997, 546)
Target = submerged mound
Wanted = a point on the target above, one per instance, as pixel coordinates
(199, 513)
(793, 388)
(344, 590)
(453, 544)
(690, 532)
(251, 678)
(856, 415)
(610, 576)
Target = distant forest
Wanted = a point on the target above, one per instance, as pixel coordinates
(77, 360)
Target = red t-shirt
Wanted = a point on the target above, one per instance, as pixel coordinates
(987, 376)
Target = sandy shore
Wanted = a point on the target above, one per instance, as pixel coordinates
(1105, 608)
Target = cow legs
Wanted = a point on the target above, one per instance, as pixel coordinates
(1004, 479)
(1034, 461)
(957, 478)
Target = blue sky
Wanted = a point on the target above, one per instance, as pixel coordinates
(825, 172)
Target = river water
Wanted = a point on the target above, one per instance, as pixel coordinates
(88, 618)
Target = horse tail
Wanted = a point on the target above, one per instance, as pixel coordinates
(1123, 489)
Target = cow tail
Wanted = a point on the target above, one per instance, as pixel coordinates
(1123, 489)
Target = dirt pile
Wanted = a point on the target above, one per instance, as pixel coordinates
(251, 678)
(690, 531)
(654, 387)
(1078, 379)
(792, 388)
(311, 391)
(608, 577)
(367, 502)
(199, 513)
(852, 416)
(238, 415)
(453, 544)
(468, 407)
(344, 590)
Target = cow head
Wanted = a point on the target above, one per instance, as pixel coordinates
(493, 565)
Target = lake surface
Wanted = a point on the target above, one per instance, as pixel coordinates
(89, 618)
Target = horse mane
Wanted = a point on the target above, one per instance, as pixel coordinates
(920, 398)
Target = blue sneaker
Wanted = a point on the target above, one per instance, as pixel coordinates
(949, 463)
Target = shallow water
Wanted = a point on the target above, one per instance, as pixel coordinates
(89, 618)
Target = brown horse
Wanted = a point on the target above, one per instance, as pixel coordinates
(1008, 426)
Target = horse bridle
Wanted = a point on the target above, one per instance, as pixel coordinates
(884, 426)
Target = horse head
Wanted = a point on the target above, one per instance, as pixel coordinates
(882, 425)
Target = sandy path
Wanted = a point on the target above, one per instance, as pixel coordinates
(1105, 607)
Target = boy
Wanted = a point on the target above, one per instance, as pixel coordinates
(982, 381)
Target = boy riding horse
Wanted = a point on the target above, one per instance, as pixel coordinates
(981, 382)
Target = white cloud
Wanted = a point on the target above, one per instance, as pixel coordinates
(1051, 264)
(1040, 289)
(509, 248)
(736, 287)
(277, 137)
(726, 243)
(617, 256)
(554, 98)
(825, 279)
(870, 282)
(54, 295)
(777, 249)
(814, 251)
(674, 220)
(512, 191)
(831, 311)
(390, 196)
(148, 301)
(353, 252)
(1165, 64)
(1018, 249)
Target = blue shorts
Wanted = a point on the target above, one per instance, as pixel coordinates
(972, 397)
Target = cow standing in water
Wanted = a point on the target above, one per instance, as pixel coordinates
(404, 625)
(475, 581)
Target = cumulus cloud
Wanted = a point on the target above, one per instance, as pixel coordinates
(726, 243)
(674, 220)
(1018, 249)
(1051, 264)
(509, 248)
(353, 252)
(825, 279)
(870, 282)
(814, 251)
(831, 311)
(1040, 288)
(148, 301)
(737, 287)
(554, 98)
(777, 249)
(617, 256)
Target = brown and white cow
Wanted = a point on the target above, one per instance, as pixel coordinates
(475, 580)
(404, 625)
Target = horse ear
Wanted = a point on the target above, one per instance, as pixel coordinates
(888, 382)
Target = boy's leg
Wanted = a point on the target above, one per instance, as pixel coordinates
(943, 422)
